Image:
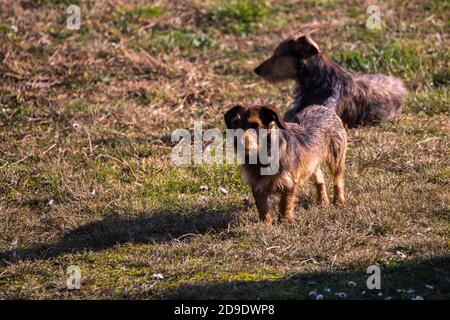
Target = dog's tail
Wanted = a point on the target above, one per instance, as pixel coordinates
(337, 152)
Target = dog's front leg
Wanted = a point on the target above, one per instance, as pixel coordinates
(286, 206)
(262, 204)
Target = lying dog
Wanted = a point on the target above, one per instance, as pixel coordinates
(315, 135)
(357, 99)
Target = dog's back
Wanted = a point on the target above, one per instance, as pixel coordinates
(359, 99)
(323, 137)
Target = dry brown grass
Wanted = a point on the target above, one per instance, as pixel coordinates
(85, 171)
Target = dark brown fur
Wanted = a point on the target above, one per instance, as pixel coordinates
(358, 99)
(314, 136)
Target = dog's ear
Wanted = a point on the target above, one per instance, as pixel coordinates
(269, 114)
(304, 46)
(232, 117)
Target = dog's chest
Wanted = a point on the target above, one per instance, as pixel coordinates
(269, 184)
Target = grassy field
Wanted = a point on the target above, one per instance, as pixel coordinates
(86, 178)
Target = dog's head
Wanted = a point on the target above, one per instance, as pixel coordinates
(251, 119)
(284, 62)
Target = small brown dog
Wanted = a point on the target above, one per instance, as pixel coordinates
(315, 135)
(359, 99)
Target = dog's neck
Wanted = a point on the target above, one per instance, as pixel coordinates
(320, 81)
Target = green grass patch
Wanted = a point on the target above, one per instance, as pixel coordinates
(21, 111)
(392, 58)
(57, 2)
(127, 19)
(240, 17)
(432, 101)
(78, 105)
(188, 179)
(328, 4)
(354, 60)
(180, 38)
(143, 12)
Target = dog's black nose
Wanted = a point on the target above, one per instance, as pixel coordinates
(258, 70)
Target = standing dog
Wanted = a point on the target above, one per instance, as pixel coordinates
(315, 135)
(357, 99)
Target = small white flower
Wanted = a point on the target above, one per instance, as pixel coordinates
(363, 292)
(312, 294)
(430, 287)
(352, 284)
(51, 202)
(380, 294)
(93, 192)
(341, 295)
(410, 291)
(401, 290)
(223, 190)
(417, 298)
(400, 254)
(319, 297)
(44, 41)
(327, 290)
(13, 28)
(388, 298)
(200, 200)
(204, 187)
(157, 276)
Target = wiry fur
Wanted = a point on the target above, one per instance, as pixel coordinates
(358, 99)
(314, 136)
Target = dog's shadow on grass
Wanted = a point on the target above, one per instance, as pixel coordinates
(157, 227)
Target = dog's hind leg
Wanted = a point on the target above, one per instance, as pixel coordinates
(336, 167)
(336, 163)
(319, 183)
(339, 194)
